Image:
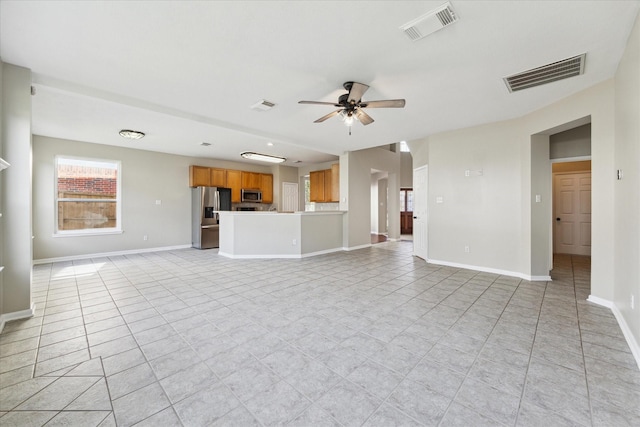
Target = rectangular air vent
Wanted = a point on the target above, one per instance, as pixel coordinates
(560, 70)
(263, 105)
(430, 22)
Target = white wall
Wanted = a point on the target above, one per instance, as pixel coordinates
(406, 170)
(574, 142)
(16, 191)
(627, 190)
(146, 177)
(481, 211)
(493, 213)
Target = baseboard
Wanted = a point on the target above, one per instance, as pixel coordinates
(492, 270)
(355, 248)
(281, 256)
(108, 254)
(17, 315)
(626, 331)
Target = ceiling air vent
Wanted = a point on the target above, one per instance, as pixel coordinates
(564, 69)
(263, 105)
(430, 22)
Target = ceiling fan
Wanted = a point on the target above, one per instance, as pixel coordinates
(351, 105)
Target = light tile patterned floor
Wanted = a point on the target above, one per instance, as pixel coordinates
(371, 337)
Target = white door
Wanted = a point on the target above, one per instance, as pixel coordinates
(290, 197)
(572, 213)
(420, 212)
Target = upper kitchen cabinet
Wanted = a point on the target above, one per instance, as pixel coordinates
(202, 176)
(251, 180)
(316, 186)
(199, 176)
(218, 177)
(266, 186)
(234, 181)
(325, 185)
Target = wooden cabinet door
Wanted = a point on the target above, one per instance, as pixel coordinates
(234, 181)
(266, 186)
(251, 180)
(335, 182)
(316, 184)
(199, 176)
(218, 177)
(327, 185)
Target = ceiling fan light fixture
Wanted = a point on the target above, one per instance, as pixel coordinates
(348, 118)
(131, 134)
(249, 155)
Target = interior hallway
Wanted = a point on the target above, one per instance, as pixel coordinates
(370, 337)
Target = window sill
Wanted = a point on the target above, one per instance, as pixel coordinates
(89, 233)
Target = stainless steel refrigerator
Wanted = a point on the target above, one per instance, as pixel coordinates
(206, 203)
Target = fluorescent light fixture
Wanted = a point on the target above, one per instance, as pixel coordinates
(131, 134)
(262, 157)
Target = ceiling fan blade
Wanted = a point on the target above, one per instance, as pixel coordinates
(328, 116)
(356, 92)
(319, 103)
(388, 103)
(363, 117)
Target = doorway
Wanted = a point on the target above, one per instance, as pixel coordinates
(290, 198)
(406, 211)
(572, 208)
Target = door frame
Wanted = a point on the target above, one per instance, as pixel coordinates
(553, 207)
(424, 239)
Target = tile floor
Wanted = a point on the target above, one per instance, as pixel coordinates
(370, 337)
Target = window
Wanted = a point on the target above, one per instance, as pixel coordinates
(87, 196)
(406, 200)
(404, 147)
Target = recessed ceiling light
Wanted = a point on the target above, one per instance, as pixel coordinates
(262, 157)
(131, 134)
(270, 144)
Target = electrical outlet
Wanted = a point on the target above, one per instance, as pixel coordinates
(466, 249)
(294, 242)
(633, 302)
(158, 202)
(145, 238)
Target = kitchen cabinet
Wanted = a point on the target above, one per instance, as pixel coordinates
(316, 184)
(218, 177)
(325, 185)
(234, 181)
(251, 180)
(266, 186)
(199, 176)
(202, 176)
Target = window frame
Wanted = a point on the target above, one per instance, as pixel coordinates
(118, 200)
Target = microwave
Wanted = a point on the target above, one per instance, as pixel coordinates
(251, 195)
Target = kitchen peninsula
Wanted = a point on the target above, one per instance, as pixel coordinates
(279, 234)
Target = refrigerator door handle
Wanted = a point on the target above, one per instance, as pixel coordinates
(216, 204)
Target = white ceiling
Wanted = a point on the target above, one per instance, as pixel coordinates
(187, 72)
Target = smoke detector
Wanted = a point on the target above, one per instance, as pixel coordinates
(430, 22)
(263, 105)
(539, 76)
